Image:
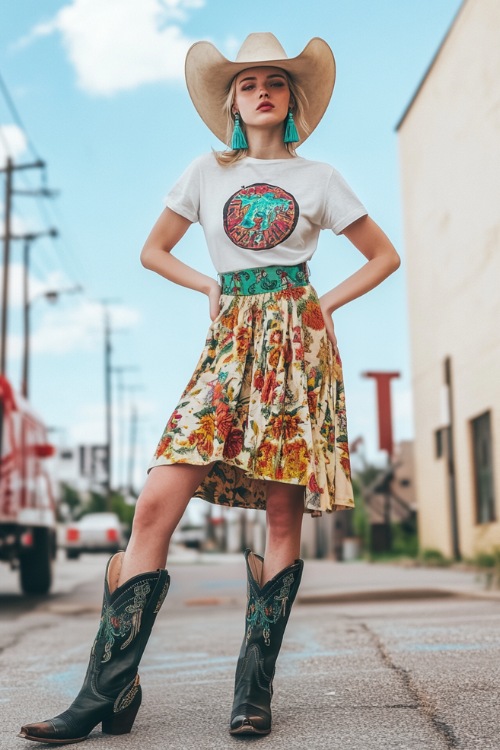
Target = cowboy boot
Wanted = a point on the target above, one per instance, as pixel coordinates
(111, 693)
(268, 610)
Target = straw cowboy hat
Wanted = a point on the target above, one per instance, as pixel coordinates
(209, 75)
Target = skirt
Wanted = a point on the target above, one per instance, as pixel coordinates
(266, 400)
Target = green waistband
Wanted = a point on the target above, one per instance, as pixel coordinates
(265, 279)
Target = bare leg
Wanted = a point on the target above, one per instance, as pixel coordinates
(111, 693)
(285, 510)
(159, 509)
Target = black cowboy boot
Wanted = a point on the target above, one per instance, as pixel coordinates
(268, 610)
(111, 693)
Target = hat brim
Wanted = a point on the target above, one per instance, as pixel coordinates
(209, 75)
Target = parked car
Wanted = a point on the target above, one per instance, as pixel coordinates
(95, 532)
(192, 529)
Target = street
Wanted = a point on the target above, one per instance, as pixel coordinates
(409, 674)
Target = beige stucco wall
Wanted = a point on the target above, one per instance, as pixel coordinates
(450, 176)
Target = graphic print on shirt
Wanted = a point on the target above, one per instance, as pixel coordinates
(260, 216)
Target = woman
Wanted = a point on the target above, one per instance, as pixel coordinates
(261, 424)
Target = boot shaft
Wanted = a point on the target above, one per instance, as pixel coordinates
(269, 605)
(267, 613)
(127, 617)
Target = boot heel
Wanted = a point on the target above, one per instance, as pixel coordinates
(123, 722)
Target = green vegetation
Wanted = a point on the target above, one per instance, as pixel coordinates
(70, 498)
(434, 557)
(404, 537)
(359, 515)
(487, 559)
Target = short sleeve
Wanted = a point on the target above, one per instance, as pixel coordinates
(184, 197)
(341, 204)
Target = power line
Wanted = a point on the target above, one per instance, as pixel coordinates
(59, 259)
(76, 251)
(77, 276)
(38, 194)
(5, 142)
(16, 117)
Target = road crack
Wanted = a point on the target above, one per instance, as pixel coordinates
(21, 635)
(422, 700)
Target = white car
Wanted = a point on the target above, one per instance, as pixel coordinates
(192, 529)
(95, 532)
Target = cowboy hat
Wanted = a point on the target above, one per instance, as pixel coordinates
(209, 75)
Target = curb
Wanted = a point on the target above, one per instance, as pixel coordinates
(388, 595)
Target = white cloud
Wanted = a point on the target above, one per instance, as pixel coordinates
(77, 328)
(54, 281)
(116, 45)
(87, 428)
(230, 47)
(13, 143)
(18, 225)
(80, 328)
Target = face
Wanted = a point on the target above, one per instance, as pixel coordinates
(262, 96)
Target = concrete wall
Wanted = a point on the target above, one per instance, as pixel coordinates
(450, 161)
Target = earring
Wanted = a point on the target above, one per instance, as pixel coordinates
(291, 133)
(238, 141)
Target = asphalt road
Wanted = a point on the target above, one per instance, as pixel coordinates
(408, 675)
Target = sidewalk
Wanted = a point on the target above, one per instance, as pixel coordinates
(329, 582)
(364, 581)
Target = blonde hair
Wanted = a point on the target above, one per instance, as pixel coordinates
(299, 106)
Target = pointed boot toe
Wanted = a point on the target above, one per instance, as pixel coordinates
(53, 732)
(250, 722)
(39, 731)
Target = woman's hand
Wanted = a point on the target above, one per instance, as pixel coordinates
(213, 294)
(330, 328)
(382, 259)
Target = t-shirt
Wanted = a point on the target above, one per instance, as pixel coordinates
(263, 212)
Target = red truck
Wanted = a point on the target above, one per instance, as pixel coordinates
(27, 504)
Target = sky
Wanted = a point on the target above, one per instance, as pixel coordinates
(99, 88)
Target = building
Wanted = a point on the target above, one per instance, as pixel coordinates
(449, 138)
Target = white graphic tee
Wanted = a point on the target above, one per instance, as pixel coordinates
(263, 212)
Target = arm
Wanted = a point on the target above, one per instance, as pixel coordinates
(156, 256)
(382, 258)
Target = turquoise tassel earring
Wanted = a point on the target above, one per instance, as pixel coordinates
(291, 133)
(238, 141)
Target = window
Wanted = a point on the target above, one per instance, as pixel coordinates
(482, 451)
(441, 438)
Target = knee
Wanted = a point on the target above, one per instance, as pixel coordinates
(148, 511)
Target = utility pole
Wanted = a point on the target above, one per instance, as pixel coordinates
(108, 401)
(28, 239)
(121, 387)
(9, 169)
(132, 448)
(6, 261)
(133, 430)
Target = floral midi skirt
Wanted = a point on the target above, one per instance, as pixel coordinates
(266, 400)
